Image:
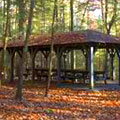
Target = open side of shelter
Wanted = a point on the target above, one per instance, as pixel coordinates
(87, 41)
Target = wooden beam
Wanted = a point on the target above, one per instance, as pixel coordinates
(20, 52)
(45, 53)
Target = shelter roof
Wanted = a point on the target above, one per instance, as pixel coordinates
(67, 38)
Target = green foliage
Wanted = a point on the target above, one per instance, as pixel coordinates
(49, 111)
(43, 15)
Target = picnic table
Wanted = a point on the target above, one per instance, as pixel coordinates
(40, 73)
(67, 74)
(81, 75)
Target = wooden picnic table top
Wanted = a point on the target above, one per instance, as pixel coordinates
(66, 70)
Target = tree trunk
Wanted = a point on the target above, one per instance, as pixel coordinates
(20, 79)
(20, 66)
(6, 35)
(43, 14)
(85, 10)
(108, 25)
(51, 50)
(21, 16)
(73, 55)
(28, 32)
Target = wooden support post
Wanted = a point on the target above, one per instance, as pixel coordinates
(65, 59)
(86, 61)
(112, 55)
(91, 63)
(73, 59)
(12, 54)
(113, 68)
(33, 67)
(46, 55)
(59, 55)
(69, 60)
(33, 53)
(106, 64)
(46, 62)
(66, 62)
(12, 68)
(118, 53)
(20, 76)
(119, 68)
(85, 53)
(58, 65)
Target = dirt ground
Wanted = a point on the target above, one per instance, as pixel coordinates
(61, 104)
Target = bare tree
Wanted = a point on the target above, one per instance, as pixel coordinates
(6, 35)
(51, 49)
(108, 22)
(73, 54)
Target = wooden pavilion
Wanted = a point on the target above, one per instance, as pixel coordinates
(87, 41)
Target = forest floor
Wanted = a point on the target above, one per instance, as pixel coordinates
(61, 104)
